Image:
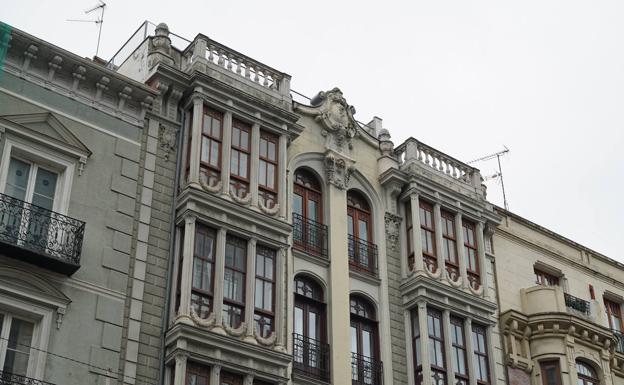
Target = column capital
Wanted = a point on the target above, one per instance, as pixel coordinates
(190, 219)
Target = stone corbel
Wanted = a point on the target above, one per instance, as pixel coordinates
(238, 332)
(206, 323)
(393, 223)
(78, 75)
(158, 107)
(124, 96)
(29, 55)
(53, 66)
(270, 211)
(146, 104)
(60, 313)
(243, 201)
(172, 102)
(1, 133)
(269, 341)
(82, 162)
(167, 137)
(101, 86)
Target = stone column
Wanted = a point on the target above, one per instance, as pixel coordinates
(339, 317)
(437, 222)
(409, 356)
(419, 264)
(482, 259)
(249, 378)
(180, 369)
(424, 342)
(215, 374)
(226, 145)
(448, 347)
(459, 231)
(195, 145)
(188, 251)
(470, 351)
(282, 179)
(254, 163)
(489, 332)
(280, 290)
(218, 281)
(250, 290)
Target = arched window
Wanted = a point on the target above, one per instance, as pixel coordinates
(309, 234)
(362, 250)
(310, 352)
(586, 374)
(365, 364)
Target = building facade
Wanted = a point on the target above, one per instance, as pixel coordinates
(238, 236)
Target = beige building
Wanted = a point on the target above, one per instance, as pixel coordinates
(560, 307)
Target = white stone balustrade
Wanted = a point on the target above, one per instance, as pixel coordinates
(239, 64)
(415, 151)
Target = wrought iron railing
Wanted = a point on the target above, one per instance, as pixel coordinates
(362, 255)
(309, 236)
(366, 370)
(7, 378)
(619, 344)
(42, 231)
(577, 304)
(310, 357)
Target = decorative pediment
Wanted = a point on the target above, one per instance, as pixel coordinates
(46, 129)
(335, 115)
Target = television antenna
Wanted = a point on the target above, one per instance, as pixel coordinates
(99, 21)
(499, 174)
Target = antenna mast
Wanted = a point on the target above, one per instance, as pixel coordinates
(500, 170)
(100, 5)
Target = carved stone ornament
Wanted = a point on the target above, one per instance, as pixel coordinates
(207, 323)
(392, 231)
(338, 173)
(238, 332)
(269, 211)
(268, 341)
(336, 116)
(167, 138)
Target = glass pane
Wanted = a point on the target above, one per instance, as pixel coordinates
(17, 179)
(262, 173)
(298, 204)
(258, 294)
(268, 296)
(354, 348)
(367, 343)
(272, 151)
(312, 210)
(244, 159)
(234, 162)
(298, 320)
(313, 325)
(236, 136)
(350, 225)
(20, 337)
(205, 149)
(244, 142)
(363, 230)
(270, 182)
(197, 272)
(268, 268)
(263, 147)
(214, 153)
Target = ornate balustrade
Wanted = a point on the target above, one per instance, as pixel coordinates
(7, 378)
(363, 256)
(41, 236)
(414, 151)
(311, 357)
(238, 64)
(580, 305)
(366, 370)
(309, 236)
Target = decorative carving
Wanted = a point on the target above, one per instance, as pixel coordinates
(242, 200)
(78, 75)
(124, 95)
(53, 66)
(60, 312)
(392, 231)
(207, 322)
(338, 173)
(167, 137)
(238, 332)
(269, 341)
(29, 55)
(217, 187)
(101, 86)
(385, 144)
(270, 211)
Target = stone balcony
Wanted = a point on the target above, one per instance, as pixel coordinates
(552, 299)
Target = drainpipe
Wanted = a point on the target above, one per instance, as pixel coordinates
(172, 238)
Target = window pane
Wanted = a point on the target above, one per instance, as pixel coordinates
(236, 136)
(243, 165)
(258, 294)
(45, 185)
(234, 162)
(197, 272)
(17, 179)
(263, 147)
(262, 173)
(268, 268)
(272, 151)
(20, 337)
(270, 182)
(313, 325)
(205, 149)
(214, 153)
(299, 321)
(244, 142)
(268, 296)
(298, 204)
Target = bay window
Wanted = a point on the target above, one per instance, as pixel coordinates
(479, 344)
(211, 138)
(202, 290)
(234, 281)
(449, 244)
(470, 253)
(265, 291)
(458, 343)
(267, 169)
(427, 233)
(240, 155)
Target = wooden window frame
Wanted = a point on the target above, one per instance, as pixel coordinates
(261, 312)
(416, 347)
(482, 330)
(586, 380)
(472, 227)
(265, 161)
(430, 258)
(614, 309)
(544, 365)
(435, 313)
(206, 231)
(211, 138)
(229, 301)
(456, 321)
(236, 180)
(544, 278)
(198, 370)
(228, 378)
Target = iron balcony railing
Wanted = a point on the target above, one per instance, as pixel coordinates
(310, 357)
(7, 378)
(619, 344)
(362, 255)
(577, 304)
(366, 370)
(309, 236)
(40, 231)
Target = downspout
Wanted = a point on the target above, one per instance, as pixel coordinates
(172, 227)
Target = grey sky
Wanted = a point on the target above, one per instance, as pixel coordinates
(545, 78)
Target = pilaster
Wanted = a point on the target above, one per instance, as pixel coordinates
(282, 177)
(419, 264)
(218, 283)
(459, 231)
(188, 251)
(180, 369)
(437, 222)
(195, 145)
(250, 290)
(470, 350)
(424, 342)
(448, 347)
(482, 259)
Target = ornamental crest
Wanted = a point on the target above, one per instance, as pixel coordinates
(331, 110)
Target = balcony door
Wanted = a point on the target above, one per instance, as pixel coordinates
(310, 353)
(359, 230)
(365, 365)
(307, 212)
(35, 188)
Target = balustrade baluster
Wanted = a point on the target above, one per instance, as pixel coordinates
(210, 53)
(238, 66)
(247, 71)
(221, 61)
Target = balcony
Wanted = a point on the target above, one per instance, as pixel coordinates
(7, 378)
(362, 256)
(310, 236)
(619, 345)
(310, 357)
(577, 304)
(366, 370)
(39, 236)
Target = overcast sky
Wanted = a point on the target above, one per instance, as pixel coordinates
(545, 78)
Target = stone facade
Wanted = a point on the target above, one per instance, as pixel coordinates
(235, 236)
